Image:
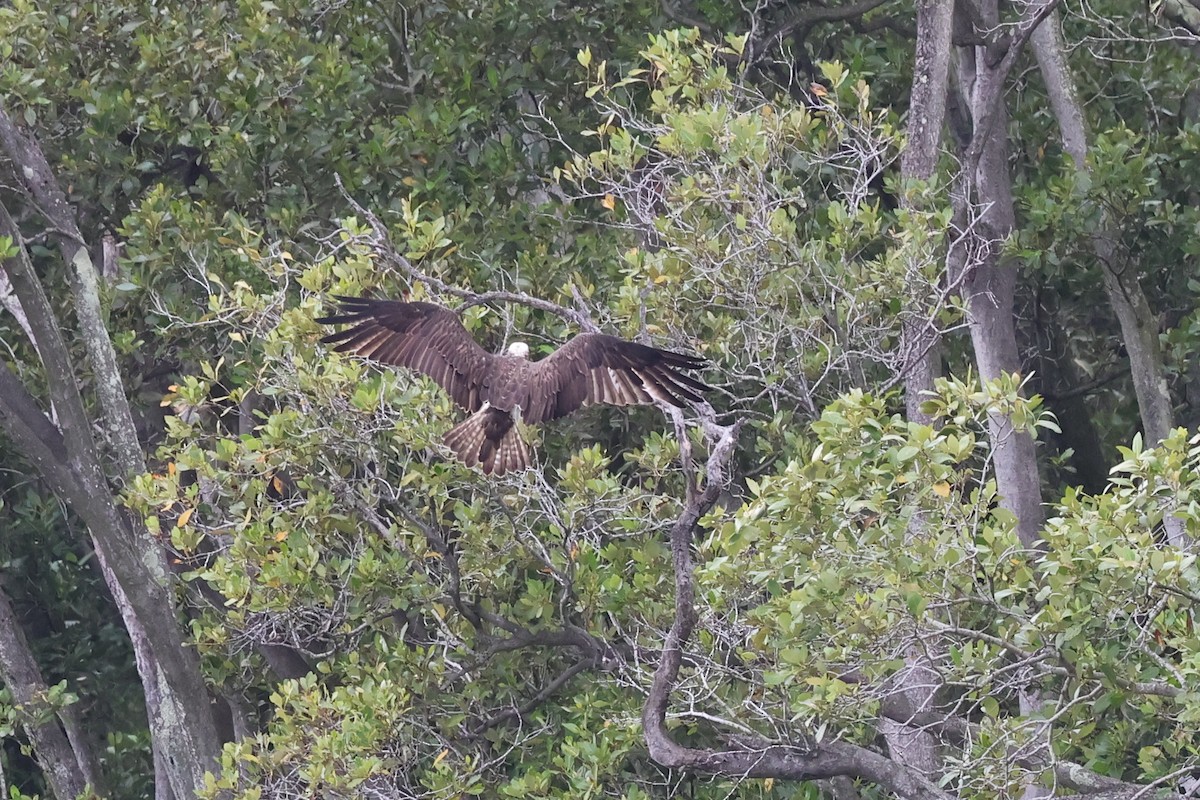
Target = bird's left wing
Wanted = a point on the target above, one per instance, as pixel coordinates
(595, 368)
(422, 336)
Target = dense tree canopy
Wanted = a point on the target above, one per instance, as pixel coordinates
(931, 535)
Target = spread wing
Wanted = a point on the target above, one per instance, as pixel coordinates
(594, 368)
(421, 336)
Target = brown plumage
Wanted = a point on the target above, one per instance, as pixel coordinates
(494, 389)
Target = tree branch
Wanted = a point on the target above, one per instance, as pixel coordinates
(1084, 388)
(383, 244)
(1125, 293)
(29, 429)
(72, 418)
(685, 13)
(811, 15)
(68, 770)
(9, 301)
(992, 89)
(30, 164)
(542, 696)
(749, 757)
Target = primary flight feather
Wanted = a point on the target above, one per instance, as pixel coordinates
(496, 390)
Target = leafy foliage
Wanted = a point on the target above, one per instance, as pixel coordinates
(378, 620)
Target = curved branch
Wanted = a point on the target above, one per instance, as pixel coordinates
(542, 696)
(812, 15)
(383, 244)
(748, 756)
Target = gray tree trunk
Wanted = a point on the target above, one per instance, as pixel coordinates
(1139, 324)
(917, 685)
(65, 759)
(69, 458)
(984, 209)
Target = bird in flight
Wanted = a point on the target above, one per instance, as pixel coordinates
(497, 391)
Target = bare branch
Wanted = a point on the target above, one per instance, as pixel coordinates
(547, 691)
(383, 245)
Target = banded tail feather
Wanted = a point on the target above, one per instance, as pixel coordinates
(490, 439)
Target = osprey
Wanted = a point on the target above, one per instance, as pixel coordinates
(499, 390)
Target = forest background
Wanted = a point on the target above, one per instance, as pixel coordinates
(933, 536)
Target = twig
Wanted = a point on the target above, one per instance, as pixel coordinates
(384, 246)
(542, 696)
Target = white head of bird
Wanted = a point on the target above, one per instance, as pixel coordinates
(518, 349)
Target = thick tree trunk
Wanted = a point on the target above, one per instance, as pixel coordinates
(984, 209)
(918, 165)
(66, 761)
(1139, 324)
(68, 457)
(917, 685)
(927, 100)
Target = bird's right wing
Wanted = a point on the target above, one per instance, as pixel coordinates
(421, 336)
(594, 368)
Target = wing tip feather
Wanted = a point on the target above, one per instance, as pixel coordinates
(425, 337)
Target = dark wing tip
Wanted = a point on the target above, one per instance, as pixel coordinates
(362, 315)
(350, 309)
(672, 364)
(676, 387)
(681, 360)
(338, 319)
(689, 381)
(359, 301)
(339, 336)
(425, 337)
